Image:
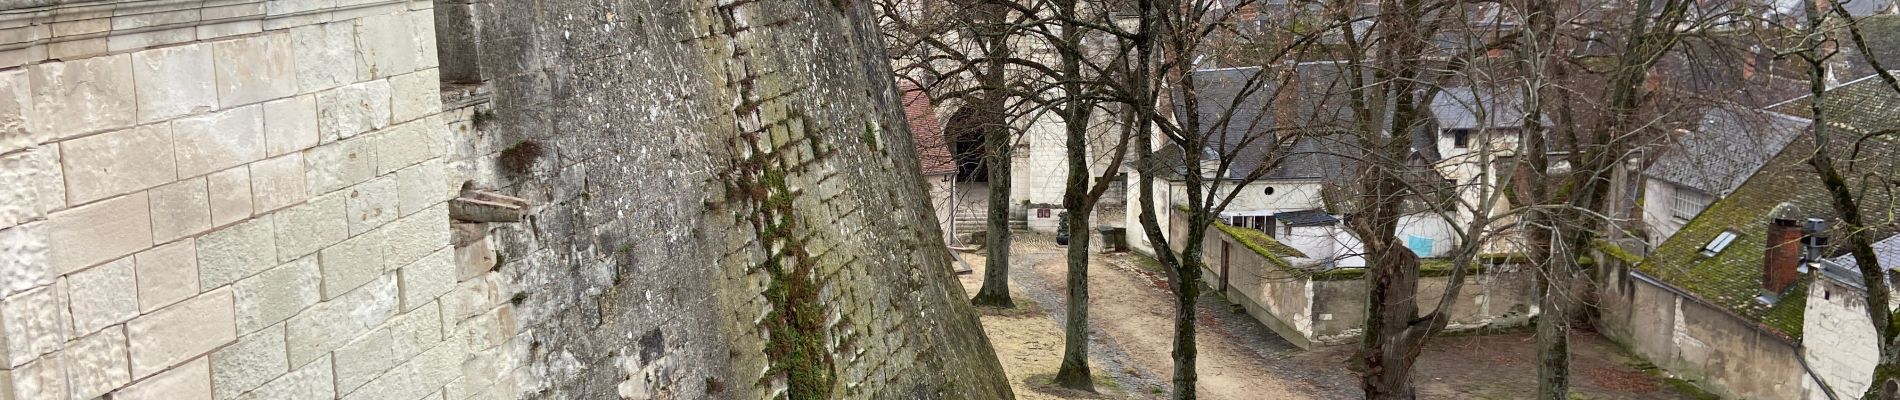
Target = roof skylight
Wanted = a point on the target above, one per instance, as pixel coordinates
(1721, 241)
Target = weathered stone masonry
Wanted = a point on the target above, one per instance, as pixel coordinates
(231, 200)
(246, 199)
(730, 183)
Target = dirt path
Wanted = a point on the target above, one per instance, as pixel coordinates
(1133, 326)
(1134, 323)
(1028, 339)
(1143, 324)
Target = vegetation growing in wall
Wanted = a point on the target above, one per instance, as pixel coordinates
(796, 329)
(518, 159)
(1261, 244)
(795, 325)
(1617, 252)
(1275, 253)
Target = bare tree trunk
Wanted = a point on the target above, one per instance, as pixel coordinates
(1553, 337)
(1074, 372)
(992, 107)
(1533, 177)
(996, 142)
(1185, 293)
(1077, 199)
(1389, 348)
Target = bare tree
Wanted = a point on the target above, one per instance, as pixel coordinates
(1080, 195)
(964, 48)
(1168, 38)
(1851, 201)
(1050, 68)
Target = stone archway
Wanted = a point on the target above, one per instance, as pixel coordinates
(965, 132)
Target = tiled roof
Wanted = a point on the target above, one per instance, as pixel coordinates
(1317, 107)
(1754, 78)
(1726, 148)
(1465, 107)
(1732, 277)
(1882, 33)
(1306, 218)
(926, 133)
(1886, 250)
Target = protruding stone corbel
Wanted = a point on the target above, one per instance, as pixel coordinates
(486, 206)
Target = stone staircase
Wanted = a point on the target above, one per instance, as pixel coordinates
(976, 221)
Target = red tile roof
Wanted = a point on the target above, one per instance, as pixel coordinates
(926, 132)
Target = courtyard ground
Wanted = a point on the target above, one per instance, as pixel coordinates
(1238, 357)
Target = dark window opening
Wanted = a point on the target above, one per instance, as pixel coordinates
(965, 132)
(1460, 138)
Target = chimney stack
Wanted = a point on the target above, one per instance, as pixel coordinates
(1781, 265)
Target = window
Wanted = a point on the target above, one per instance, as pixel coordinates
(1721, 242)
(1687, 203)
(1460, 138)
(1260, 223)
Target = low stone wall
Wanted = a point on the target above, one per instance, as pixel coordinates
(1717, 351)
(1317, 309)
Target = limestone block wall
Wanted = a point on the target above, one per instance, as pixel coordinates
(1039, 165)
(1724, 354)
(233, 199)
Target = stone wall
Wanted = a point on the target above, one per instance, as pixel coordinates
(230, 200)
(727, 205)
(247, 200)
(1838, 337)
(1314, 309)
(1704, 345)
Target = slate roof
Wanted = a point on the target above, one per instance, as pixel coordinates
(1466, 107)
(1883, 37)
(1732, 278)
(1311, 217)
(1166, 163)
(1752, 79)
(926, 133)
(1887, 251)
(1312, 108)
(1727, 146)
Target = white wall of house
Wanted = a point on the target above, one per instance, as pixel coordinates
(1838, 339)
(942, 189)
(1163, 204)
(1331, 243)
(1668, 206)
(1039, 169)
(1502, 140)
(1288, 195)
(1427, 228)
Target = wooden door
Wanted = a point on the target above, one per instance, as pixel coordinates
(1224, 246)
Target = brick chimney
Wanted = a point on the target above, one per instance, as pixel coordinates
(1780, 266)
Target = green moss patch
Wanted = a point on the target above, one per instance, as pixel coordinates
(1260, 243)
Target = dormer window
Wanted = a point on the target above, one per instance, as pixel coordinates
(1687, 203)
(1721, 241)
